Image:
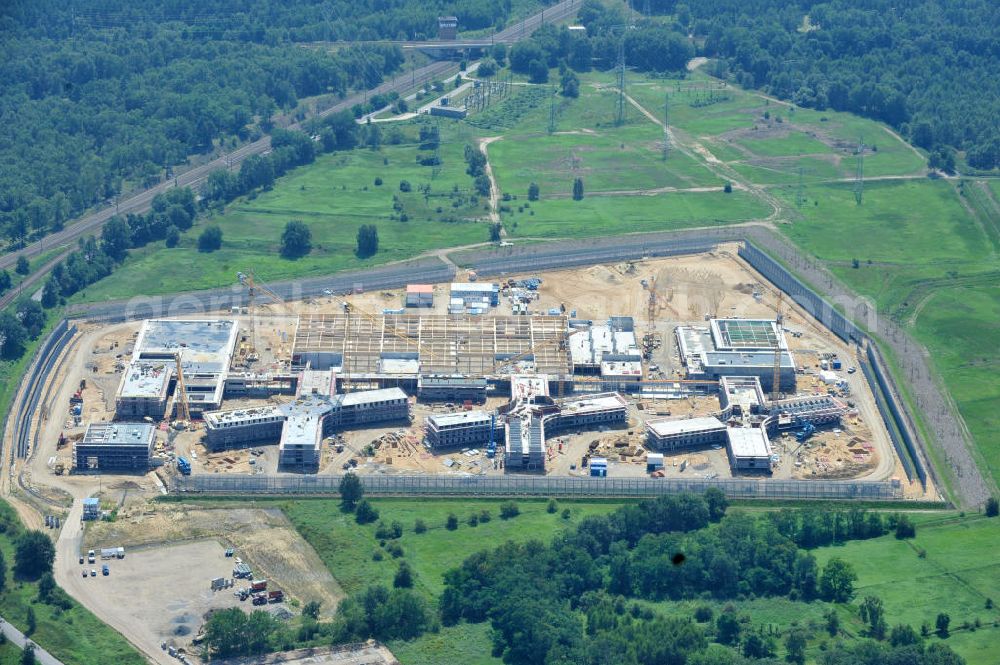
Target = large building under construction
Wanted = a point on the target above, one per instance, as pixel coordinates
(737, 347)
(205, 348)
(404, 347)
(115, 447)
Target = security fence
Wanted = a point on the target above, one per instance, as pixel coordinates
(538, 486)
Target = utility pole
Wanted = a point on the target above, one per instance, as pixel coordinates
(859, 176)
(552, 111)
(800, 197)
(666, 120)
(620, 108)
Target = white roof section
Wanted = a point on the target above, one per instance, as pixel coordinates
(689, 426)
(129, 434)
(462, 417)
(627, 368)
(589, 347)
(317, 382)
(146, 380)
(410, 366)
(209, 343)
(600, 402)
(527, 386)
(474, 287)
(370, 396)
(268, 412)
(748, 442)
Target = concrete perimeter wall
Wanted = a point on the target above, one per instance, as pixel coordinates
(544, 486)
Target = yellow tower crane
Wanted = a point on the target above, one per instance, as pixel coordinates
(180, 392)
(776, 373)
(253, 289)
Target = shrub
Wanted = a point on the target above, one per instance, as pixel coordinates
(509, 510)
(452, 522)
(365, 513)
(419, 526)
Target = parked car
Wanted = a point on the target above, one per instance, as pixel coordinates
(81, 559)
(84, 572)
(93, 572)
(105, 570)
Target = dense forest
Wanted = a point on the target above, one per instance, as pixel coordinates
(96, 96)
(927, 67)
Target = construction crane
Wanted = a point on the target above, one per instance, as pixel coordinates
(253, 288)
(180, 392)
(776, 372)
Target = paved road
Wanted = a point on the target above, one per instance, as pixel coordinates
(17, 638)
(140, 202)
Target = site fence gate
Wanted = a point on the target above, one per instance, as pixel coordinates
(539, 486)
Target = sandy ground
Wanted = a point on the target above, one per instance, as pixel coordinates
(264, 538)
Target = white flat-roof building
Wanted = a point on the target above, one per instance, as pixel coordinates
(457, 430)
(475, 293)
(613, 343)
(115, 447)
(206, 348)
(667, 435)
(300, 426)
(737, 347)
(749, 449)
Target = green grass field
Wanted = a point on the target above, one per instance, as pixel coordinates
(613, 215)
(346, 548)
(74, 636)
(333, 197)
(957, 574)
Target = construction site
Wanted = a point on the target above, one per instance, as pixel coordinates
(650, 368)
(674, 372)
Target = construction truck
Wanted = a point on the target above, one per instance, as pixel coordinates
(184, 466)
(275, 596)
(803, 435)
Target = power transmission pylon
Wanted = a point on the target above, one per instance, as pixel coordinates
(552, 111)
(620, 109)
(859, 176)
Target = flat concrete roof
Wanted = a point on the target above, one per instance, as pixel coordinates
(467, 417)
(748, 442)
(317, 382)
(474, 287)
(527, 386)
(146, 379)
(369, 396)
(204, 341)
(216, 418)
(689, 426)
(601, 402)
(124, 434)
